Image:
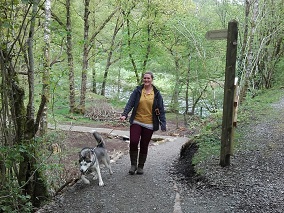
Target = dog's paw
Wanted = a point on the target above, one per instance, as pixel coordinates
(101, 184)
(85, 180)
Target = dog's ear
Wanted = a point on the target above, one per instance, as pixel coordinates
(81, 157)
(88, 155)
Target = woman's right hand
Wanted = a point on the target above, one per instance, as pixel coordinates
(122, 118)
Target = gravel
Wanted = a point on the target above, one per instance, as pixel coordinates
(254, 182)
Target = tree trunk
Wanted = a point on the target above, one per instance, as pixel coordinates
(94, 80)
(92, 41)
(245, 40)
(84, 77)
(138, 70)
(135, 69)
(174, 101)
(148, 44)
(29, 177)
(110, 54)
(94, 71)
(187, 86)
(46, 64)
(30, 106)
(86, 50)
(249, 64)
(69, 47)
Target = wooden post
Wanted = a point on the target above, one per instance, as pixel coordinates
(228, 104)
(236, 103)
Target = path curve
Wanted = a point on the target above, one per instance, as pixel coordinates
(154, 191)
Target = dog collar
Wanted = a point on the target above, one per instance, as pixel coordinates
(93, 150)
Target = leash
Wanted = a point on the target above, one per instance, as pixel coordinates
(157, 112)
(112, 130)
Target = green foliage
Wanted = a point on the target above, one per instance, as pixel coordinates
(50, 159)
(48, 164)
(255, 107)
(279, 74)
(11, 197)
(12, 200)
(10, 156)
(209, 138)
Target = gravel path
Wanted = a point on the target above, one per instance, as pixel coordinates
(154, 191)
(255, 180)
(253, 183)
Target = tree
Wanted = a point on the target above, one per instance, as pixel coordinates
(110, 50)
(69, 48)
(88, 45)
(46, 65)
(23, 125)
(248, 65)
(139, 34)
(261, 46)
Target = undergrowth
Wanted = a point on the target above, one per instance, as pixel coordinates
(252, 109)
(209, 138)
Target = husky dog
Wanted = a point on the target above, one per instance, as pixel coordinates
(91, 158)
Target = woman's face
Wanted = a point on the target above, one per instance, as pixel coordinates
(147, 79)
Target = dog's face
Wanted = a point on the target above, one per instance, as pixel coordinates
(85, 160)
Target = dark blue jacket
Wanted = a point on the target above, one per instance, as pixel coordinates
(133, 102)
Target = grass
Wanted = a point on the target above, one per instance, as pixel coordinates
(259, 105)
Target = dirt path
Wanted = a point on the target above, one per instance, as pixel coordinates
(253, 183)
(154, 191)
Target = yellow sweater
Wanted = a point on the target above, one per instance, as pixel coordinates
(144, 110)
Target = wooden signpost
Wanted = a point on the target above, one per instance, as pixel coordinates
(217, 34)
(229, 88)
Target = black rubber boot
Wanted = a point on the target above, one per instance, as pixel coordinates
(141, 162)
(133, 161)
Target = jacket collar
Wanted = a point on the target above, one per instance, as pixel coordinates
(140, 87)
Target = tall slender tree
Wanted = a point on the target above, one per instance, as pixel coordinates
(46, 65)
(111, 49)
(248, 66)
(88, 45)
(69, 48)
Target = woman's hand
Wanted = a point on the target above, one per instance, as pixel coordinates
(122, 118)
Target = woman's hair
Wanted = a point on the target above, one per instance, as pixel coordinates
(149, 73)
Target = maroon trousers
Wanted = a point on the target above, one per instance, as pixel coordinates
(142, 135)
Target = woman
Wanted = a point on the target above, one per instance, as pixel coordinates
(147, 114)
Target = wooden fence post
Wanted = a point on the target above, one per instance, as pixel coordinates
(236, 102)
(229, 90)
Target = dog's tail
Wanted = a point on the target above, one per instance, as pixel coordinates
(99, 139)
